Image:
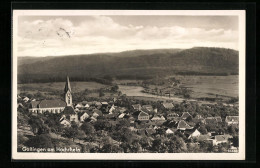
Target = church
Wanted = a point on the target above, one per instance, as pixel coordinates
(53, 106)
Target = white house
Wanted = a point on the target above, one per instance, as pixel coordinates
(64, 121)
(169, 131)
(111, 110)
(194, 133)
(121, 115)
(26, 99)
(83, 117)
(232, 120)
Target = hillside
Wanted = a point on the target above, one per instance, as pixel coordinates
(130, 64)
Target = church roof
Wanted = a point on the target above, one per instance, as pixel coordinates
(52, 103)
(67, 85)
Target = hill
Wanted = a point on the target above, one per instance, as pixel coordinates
(133, 64)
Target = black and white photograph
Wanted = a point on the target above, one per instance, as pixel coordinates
(124, 84)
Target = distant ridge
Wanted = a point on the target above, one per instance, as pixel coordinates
(130, 64)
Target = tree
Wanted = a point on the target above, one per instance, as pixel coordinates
(144, 142)
(189, 118)
(40, 141)
(87, 128)
(159, 146)
(101, 93)
(70, 132)
(176, 145)
(235, 141)
(202, 129)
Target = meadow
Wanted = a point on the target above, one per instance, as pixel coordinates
(211, 86)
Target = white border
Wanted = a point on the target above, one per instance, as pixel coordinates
(132, 156)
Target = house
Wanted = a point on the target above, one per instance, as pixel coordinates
(148, 107)
(233, 149)
(230, 120)
(104, 104)
(92, 119)
(70, 113)
(185, 115)
(182, 125)
(192, 133)
(26, 99)
(171, 116)
(65, 122)
(158, 118)
(136, 107)
(143, 116)
(221, 139)
(169, 131)
(167, 105)
(112, 109)
(98, 104)
(149, 131)
(79, 105)
(213, 120)
(52, 106)
(83, 117)
(198, 119)
(202, 138)
(121, 115)
(85, 104)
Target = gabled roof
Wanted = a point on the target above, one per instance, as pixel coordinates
(52, 103)
(136, 106)
(68, 110)
(185, 115)
(150, 131)
(222, 137)
(168, 105)
(232, 119)
(34, 104)
(169, 131)
(183, 125)
(148, 107)
(142, 114)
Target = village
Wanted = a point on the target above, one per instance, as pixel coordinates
(126, 125)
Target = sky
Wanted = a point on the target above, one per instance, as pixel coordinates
(71, 35)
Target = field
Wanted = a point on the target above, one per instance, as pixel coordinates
(211, 86)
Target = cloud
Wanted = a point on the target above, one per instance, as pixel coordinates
(60, 36)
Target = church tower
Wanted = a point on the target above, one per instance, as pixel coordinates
(67, 93)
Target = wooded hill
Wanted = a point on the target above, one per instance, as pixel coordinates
(131, 64)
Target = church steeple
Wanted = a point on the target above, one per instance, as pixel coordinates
(67, 93)
(67, 85)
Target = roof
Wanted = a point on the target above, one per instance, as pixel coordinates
(222, 137)
(169, 131)
(232, 118)
(183, 125)
(104, 103)
(34, 104)
(150, 131)
(67, 85)
(136, 106)
(213, 120)
(198, 117)
(202, 138)
(168, 105)
(145, 110)
(52, 103)
(69, 110)
(142, 114)
(185, 115)
(148, 107)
